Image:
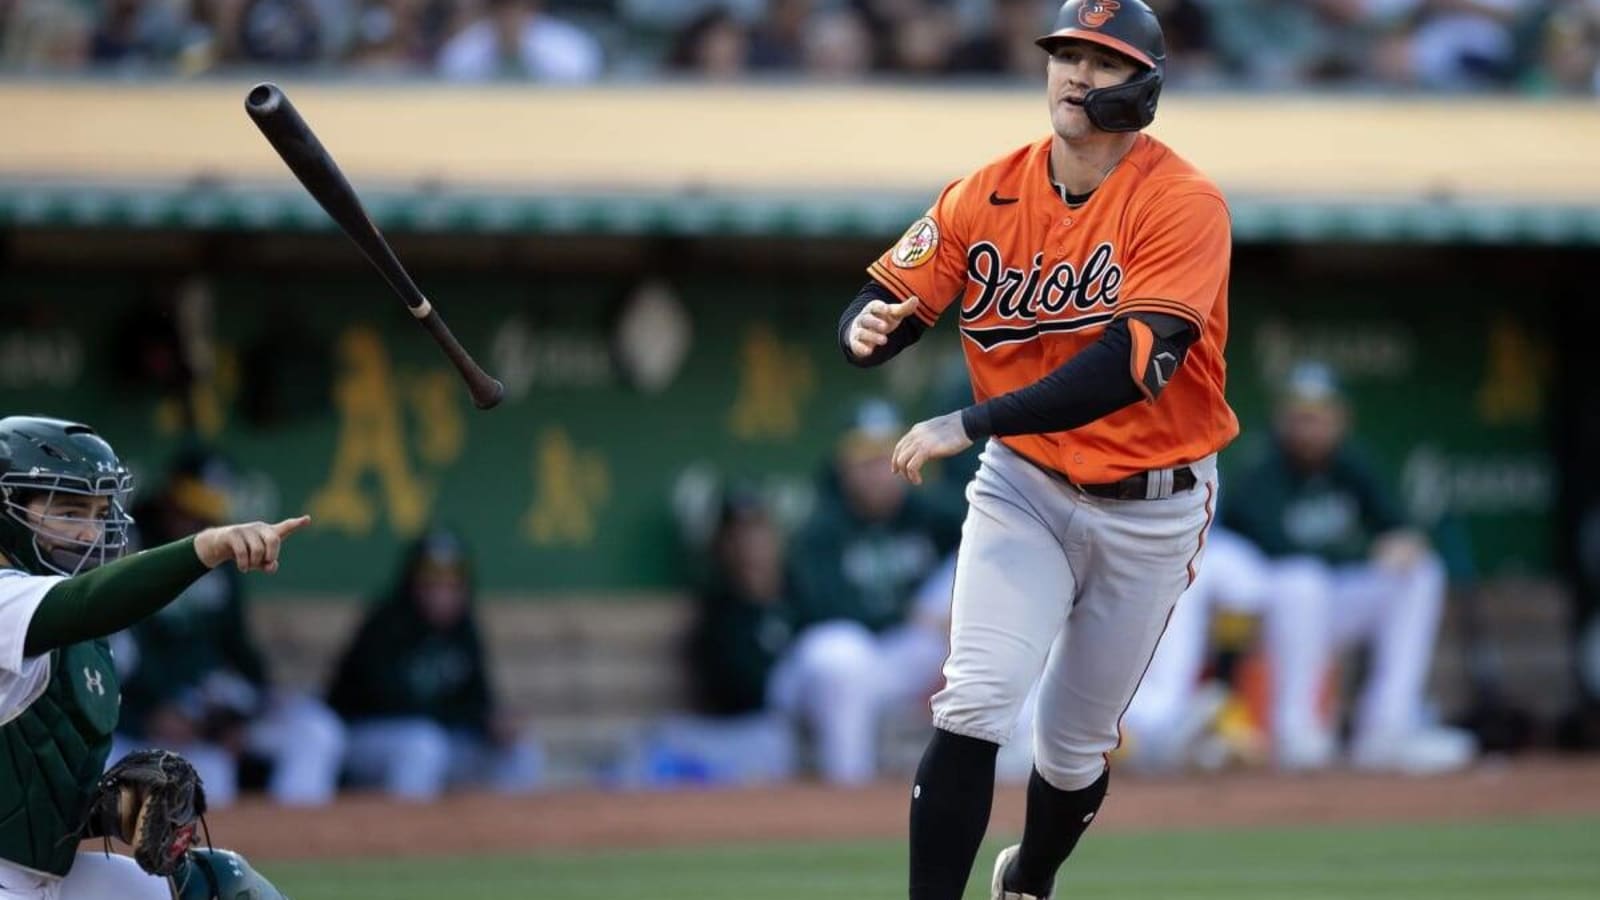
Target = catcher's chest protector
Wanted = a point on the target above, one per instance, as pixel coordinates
(52, 754)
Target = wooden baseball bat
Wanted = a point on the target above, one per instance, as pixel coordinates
(298, 146)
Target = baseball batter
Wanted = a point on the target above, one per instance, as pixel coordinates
(1088, 274)
(62, 590)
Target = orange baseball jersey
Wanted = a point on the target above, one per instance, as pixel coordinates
(1036, 281)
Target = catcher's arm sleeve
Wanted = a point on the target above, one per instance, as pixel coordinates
(108, 599)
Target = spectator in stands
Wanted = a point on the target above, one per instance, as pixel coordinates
(1191, 57)
(211, 35)
(854, 567)
(1464, 44)
(837, 45)
(1007, 47)
(387, 36)
(1281, 44)
(743, 623)
(413, 685)
(280, 32)
(714, 44)
(921, 42)
(1344, 569)
(43, 36)
(1569, 50)
(903, 33)
(194, 679)
(517, 39)
(136, 32)
(777, 44)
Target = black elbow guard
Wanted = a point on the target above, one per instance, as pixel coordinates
(1159, 345)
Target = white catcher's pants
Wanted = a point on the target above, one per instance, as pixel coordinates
(94, 876)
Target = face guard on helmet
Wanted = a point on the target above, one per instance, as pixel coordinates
(1130, 28)
(59, 460)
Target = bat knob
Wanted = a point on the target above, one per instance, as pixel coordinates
(263, 99)
(489, 395)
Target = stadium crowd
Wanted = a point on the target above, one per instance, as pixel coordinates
(1531, 46)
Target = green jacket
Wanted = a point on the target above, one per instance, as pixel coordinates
(843, 567)
(398, 665)
(1332, 514)
(732, 647)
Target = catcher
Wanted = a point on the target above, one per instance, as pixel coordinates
(63, 588)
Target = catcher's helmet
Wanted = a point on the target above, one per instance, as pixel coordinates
(1130, 28)
(55, 457)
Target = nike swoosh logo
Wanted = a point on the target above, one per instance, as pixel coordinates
(997, 200)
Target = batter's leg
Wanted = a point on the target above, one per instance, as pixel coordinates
(1169, 711)
(1134, 560)
(909, 660)
(1012, 589)
(1160, 722)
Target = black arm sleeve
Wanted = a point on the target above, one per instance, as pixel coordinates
(1094, 383)
(108, 599)
(904, 335)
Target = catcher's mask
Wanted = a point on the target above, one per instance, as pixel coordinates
(66, 463)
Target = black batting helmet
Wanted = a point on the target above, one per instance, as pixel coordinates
(1130, 28)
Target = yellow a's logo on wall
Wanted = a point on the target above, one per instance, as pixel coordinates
(570, 487)
(775, 379)
(371, 401)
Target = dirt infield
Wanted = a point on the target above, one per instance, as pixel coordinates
(367, 826)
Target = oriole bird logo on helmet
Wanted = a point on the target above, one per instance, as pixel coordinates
(1095, 14)
(1128, 27)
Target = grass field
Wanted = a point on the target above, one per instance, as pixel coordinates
(1547, 860)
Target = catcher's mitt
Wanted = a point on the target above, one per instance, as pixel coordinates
(152, 800)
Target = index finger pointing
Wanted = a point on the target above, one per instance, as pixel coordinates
(290, 526)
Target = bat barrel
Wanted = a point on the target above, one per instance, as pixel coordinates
(311, 164)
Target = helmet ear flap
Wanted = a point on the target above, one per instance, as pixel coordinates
(1130, 106)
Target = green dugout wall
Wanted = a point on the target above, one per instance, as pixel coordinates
(637, 376)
